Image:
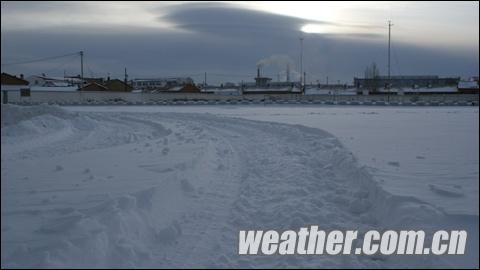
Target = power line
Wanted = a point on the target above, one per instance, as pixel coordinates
(40, 60)
(61, 65)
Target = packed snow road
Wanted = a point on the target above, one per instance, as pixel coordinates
(111, 189)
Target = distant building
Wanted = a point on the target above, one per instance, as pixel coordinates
(261, 81)
(469, 87)
(272, 89)
(330, 89)
(42, 81)
(11, 82)
(161, 84)
(229, 85)
(77, 79)
(383, 82)
(109, 85)
(187, 88)
(224, 91)
(46, 81)
(117, 85)
(264, 85)
(94, 87)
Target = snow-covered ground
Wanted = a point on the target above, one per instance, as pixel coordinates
(171, 186)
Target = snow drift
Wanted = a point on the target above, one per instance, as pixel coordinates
(173, 190)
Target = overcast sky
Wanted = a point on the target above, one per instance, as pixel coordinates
(228, 40)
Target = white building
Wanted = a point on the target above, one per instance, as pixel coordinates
(161, 83)
(44, 81)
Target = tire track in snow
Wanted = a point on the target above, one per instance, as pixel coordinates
(280, 187)
(209, 207)
(290, 177)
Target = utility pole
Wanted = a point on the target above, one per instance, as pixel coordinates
(81, 68)
(389, 32)
(125, 80)
(304, 80)
(301, 60)
(288, 72)
(205, 81)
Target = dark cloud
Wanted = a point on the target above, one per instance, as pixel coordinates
(226, 40)
(227, 20)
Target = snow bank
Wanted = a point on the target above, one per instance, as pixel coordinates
(113, 234)
(174, 189)
(13, 114)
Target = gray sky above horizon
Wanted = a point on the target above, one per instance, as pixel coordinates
(227, 40)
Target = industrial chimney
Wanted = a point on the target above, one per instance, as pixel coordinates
(258, 72)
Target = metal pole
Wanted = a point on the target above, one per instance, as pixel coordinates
(125, 80)
(81, 71)
(288, 72)
(301, 61)
(389, 34)
(389, 27)
(305, 81)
